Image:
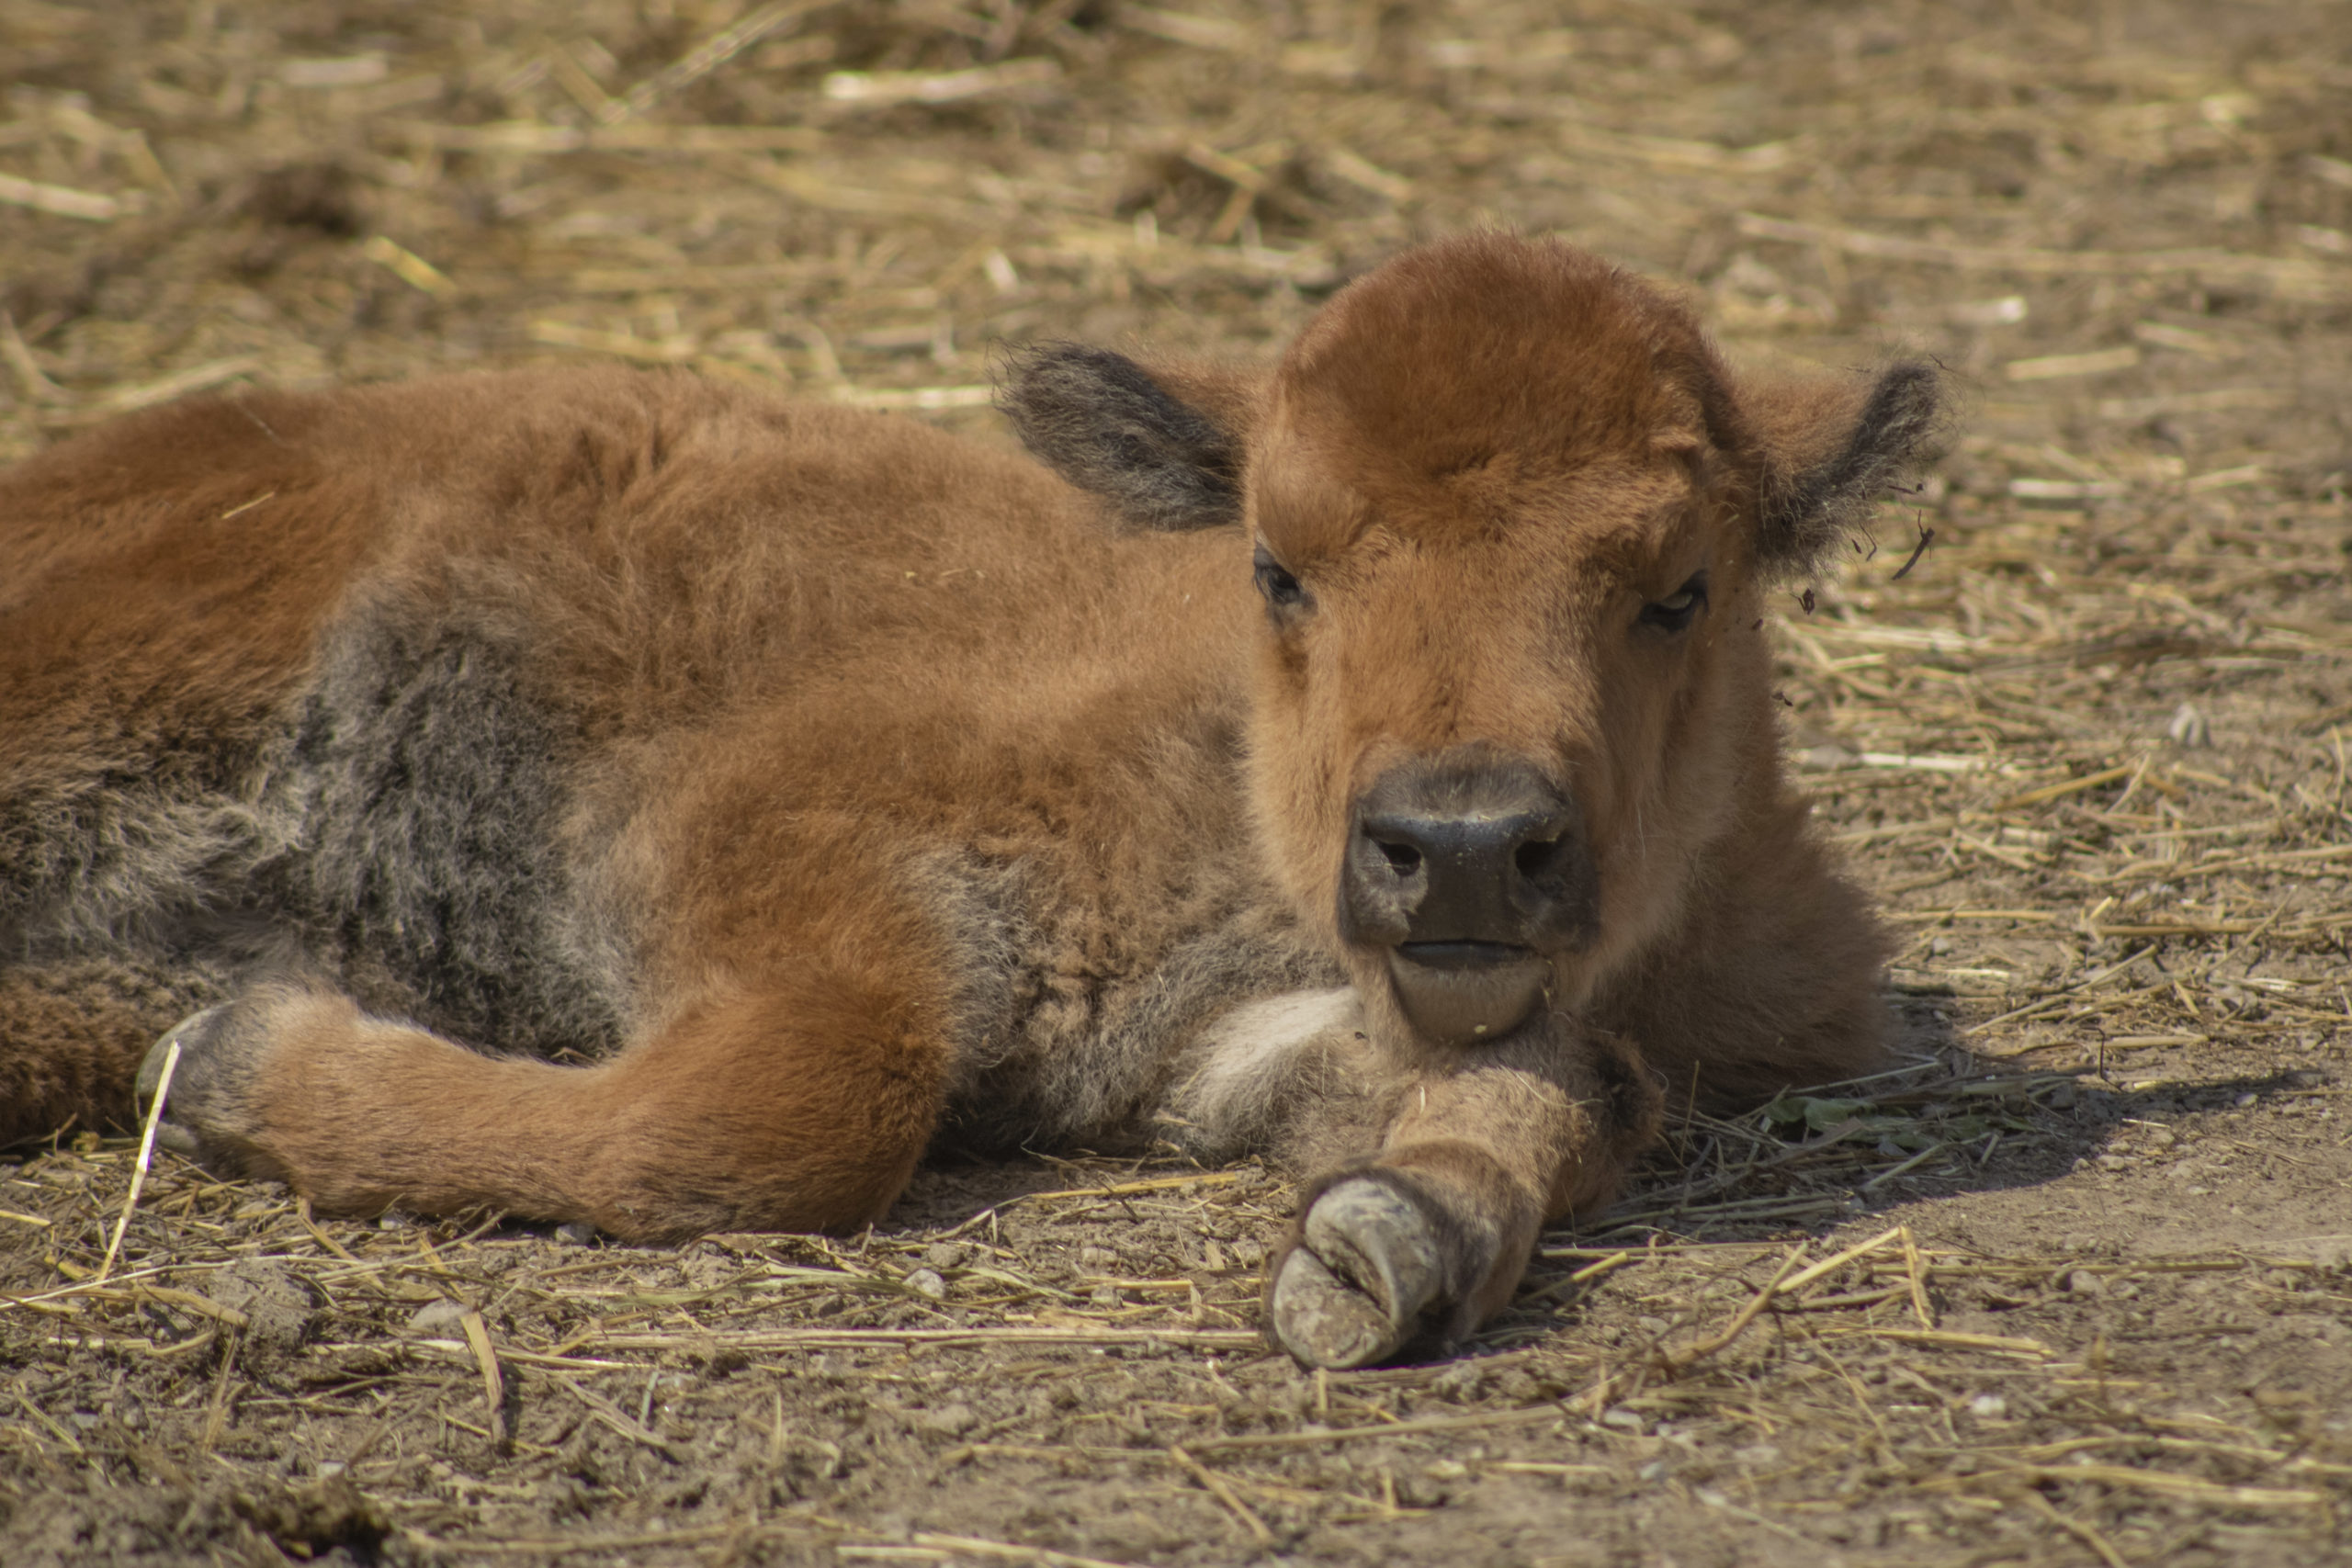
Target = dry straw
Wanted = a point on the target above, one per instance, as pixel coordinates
(146, 1156)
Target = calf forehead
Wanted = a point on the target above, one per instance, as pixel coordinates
(1491, 362)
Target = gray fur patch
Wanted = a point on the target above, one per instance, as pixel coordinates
(403, 835)
(118, 863)
(430, 783)
(1100, 421)
(1057, 1051)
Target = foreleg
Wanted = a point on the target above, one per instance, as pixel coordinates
(1426, 1238)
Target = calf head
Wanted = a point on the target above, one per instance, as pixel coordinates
(1513, 523)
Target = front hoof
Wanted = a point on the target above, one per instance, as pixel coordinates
(1361, 1278)
(205, 1116)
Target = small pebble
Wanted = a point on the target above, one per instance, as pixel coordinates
(947, 1421)
(434, 1316)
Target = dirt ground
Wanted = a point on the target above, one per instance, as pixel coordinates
(2072, 1283)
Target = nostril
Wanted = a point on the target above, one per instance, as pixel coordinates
(1536, 857)
(1403, 859)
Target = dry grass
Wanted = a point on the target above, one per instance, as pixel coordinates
(2064, 1287)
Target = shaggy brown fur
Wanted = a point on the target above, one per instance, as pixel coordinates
(616, 798)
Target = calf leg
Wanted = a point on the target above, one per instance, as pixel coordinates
(1428, 1238)
(800, 1107)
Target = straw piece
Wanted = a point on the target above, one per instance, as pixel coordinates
(163, 389)
(1915, 1273)
(1008, 1552)
(887, 89)
(1224, 1494)
(620, 344)
(2087, 1534)
(62, 201)
(1188, 27)
(1367, 175)
(711, 54)
(2064, 788)
(1682, 1360)
(27, 369)
(204, 1306)
(557, 1545)
(1666, 152)
(537, 138)
(2055, 366)
(146, 1156)
(1422, 1426)
(493, 1382)
(619, 1420)
(408, 266)
(1992, 1344)
(1206, 1179)
(2182, 1489)
(849, 1338)
(2291, 279)
(1830, 1265)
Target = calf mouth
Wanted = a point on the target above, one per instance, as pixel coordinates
(1462, 993)
(1470, 873)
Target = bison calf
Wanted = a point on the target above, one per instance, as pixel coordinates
(618, 797)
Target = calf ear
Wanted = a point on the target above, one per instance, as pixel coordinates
(1832, 452)
(1108, 426)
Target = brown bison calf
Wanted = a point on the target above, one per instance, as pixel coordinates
(616, 798)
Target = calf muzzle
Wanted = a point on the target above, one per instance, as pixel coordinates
(1473, 873)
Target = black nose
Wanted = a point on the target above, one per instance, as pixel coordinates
(1456, 856)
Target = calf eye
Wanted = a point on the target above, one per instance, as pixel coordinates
(1283, 590)
(1678, 609)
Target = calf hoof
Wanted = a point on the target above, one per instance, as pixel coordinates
(206, 1114)
(1361, 1279)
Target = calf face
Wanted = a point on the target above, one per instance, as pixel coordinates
(1514, 523)
(1512, 751)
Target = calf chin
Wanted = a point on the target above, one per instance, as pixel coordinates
(1460, 993)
